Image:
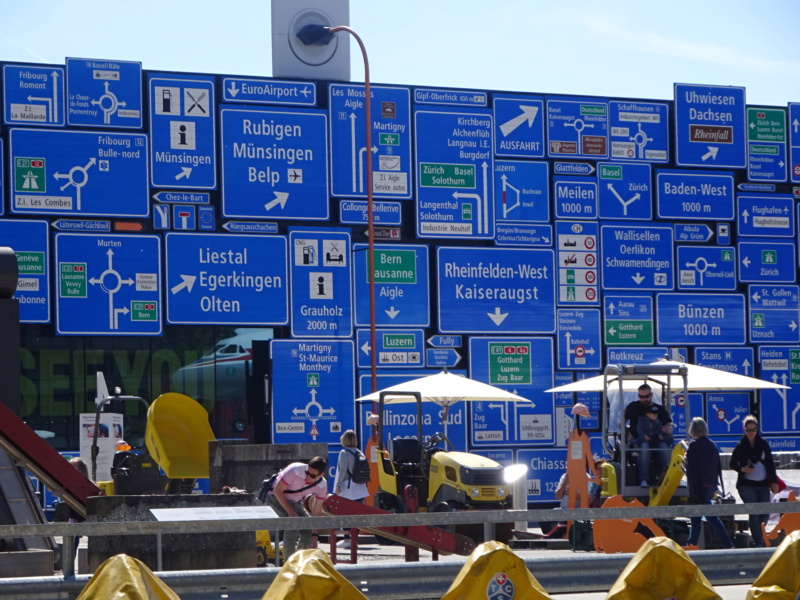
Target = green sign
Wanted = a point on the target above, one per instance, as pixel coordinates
(388, 139)
(510, 363)
(607, 172)
(626, 332)
(446, 175)
(395, 266)
(72, 280)
(30, 263)
(398, 340)
(144, 311)
(794, 367)
(29, 175)
(766, 125)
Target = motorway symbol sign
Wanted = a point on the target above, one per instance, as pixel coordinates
(710, 126)
(693, 319)
(545, 468)
(780, 409)
(575, 197)
(454, 174)
(108, 284)
(577, 128)
(766, 144)
(321, 296)
(639, 131)
(402, 294)
(521, 192)
(726, 412)
(579, 338)
(520, 234)
(274, 164)
(30, 241)
(104, 93)
(765, 215)
(626, 191)
(182, 130)
(695, 194)
(224, 279)
(33, 95)
(383, 213)
(731, 360)
(269, 91)
(495, 290)
(628, 320)
(767, 262)
(774, 313)
(314, 380)
(75, 173)
(390, 155)
(692, 232)
(524, 366)
(519, 126)
(637, 258)
(396, 348)
(706, 268)
(577, 263)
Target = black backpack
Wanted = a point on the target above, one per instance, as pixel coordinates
(360, 472)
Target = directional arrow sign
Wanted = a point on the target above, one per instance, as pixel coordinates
(579, 339)
(706, 268)
(274, 164)
(726, 412)
(445, 341)
(766, 262)
(519, 126)
(442, 357)
(626, 191)
(628, 320)
(30, 241)
(765, 215)
(779, 408)
(637, 258)
(794, 141)
(396, 348)
(104, 93)
(269, 91)
(577, 128)
(731, 360)
(766, 144)
(33, 95)
(521, 191)
(639, 131)
(485, 290)
(686, 232)
(774, 313)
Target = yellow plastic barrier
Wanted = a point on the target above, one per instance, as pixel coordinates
(310, 574)
(661, 569)
(123, 577)
(780, 578)
(494, 571)
(177, 436)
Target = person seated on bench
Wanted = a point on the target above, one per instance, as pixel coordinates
(640, 409)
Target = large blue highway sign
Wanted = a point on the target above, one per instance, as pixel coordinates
(519, 126)
(496, 290)
(625, 191)
(695, 195)
(731, 360)
(402, 294)
(767, 262)
(272, 91)
(394, 348)
(766, 144)
(30, 242)
(774, 313)
(637, 258)
(182, 124)
(710, 126)
(780, 409)
(575, 197)
(765, 215)
(108, 284)
(321, 296)
(579, 339)
(223, 279)
(33, 95)
(76, 173)
(104, 93)
(577, 245)
(390, 155)
(638, 131)
(577, 128)
(274, 164)
(693, 319)
(521, 191)
(455, 194)
(545, 468)
(312, 390)
(794, 142)
(706, 268)
(726, 412)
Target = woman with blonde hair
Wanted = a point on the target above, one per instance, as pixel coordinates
(343, 484)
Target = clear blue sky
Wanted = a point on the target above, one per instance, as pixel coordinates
(623, 48)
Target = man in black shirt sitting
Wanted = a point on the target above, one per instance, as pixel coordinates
(640, 408)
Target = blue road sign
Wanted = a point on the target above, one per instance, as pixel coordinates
(182, 197)
(184, 218)
(706, 268)
(639, 131)
(579, 338)
(182, 130)
(726, 412)
(321, 296)
(76, 173)
(274, 164)
(545, 468)
(774, 313)
(504, 457)
(206, 218)
(573, 168)
(626, 191)
(794, 142)
(454, 174)
(575, 197)
(692, 232)
(390, 155)
(519, 126)
(635, 356)
(2, 188)
(521, 192)
(442, 357)
(693, 319)
(215, 279)
(312, 390)
(637, 258)
(445, 341)
(765, 215)
(524, 366)
(496, 290)
(30, 242)
(396, 348)
(766, 262)
(104, 93)
(83, 225)
(780, 408)
(678, 412)
(33, 95)
(269, 91)
(710, 128)
(577, 245)
(450, 97)
(108, 284)
(402, 291)
(766, 144)
(520, 234)
(628, 320)
(562, 398)
(731, 360)
(695, 195)
(383, 213)
(577, 128)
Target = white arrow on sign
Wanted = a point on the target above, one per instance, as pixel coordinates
(712, 153)
(185, 172)
(392, 312)
(187, 281)
(366, 348)
(497, 316)
(528, 114)
(637, 278)
(233, 90)
(280, 198)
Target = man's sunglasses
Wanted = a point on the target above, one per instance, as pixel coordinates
(645, 396)
(750, 430)
(311, 475)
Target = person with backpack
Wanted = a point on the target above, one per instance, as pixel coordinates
(352, 474)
